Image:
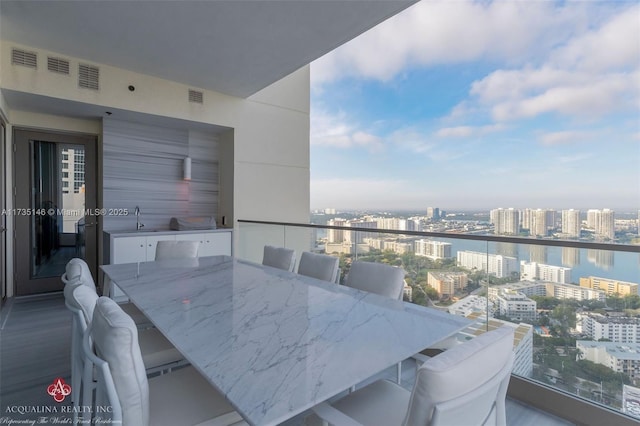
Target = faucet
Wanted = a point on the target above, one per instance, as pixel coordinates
(138, 224)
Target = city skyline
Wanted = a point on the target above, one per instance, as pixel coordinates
(476, 105)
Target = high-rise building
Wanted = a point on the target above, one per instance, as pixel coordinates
(505, 221)
(605, 224)
(571, 223)
(525, 218)
(387, 222)
(592, 217)
(414, 224)
(433, 213)
(539, 226)
(73, 186)
(356, 236)
(552, 219)
(336, 235)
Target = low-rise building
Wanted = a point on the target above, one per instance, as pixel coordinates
(609, 286)
(432, 249)
(532, 271)
(514, 305)
(470, 304)
(620, 357)
(447, 283)
(494, 264)
(550, 289)
(522, 342)
(407, 292)
(620, 329)
(398, 247)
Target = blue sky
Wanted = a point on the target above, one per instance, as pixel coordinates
(477, 105)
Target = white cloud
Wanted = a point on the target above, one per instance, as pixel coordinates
(595, 97)
(564, 137)
(578, 158)
(334, 130)
(412, 140)
(615, 45)
(576, 59)
(468, 131)
(589, 76)
(443, 32)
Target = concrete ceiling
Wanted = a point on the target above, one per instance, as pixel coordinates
(233, 47)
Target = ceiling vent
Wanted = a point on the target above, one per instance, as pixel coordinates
(88, 77)
(24, 58)
(195, 96)
(58, 65)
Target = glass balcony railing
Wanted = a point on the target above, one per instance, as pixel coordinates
(574, 305)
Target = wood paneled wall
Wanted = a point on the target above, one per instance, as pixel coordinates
(142, 166)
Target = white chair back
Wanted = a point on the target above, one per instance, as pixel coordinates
(466, 384)
(279, 257)
(77, 272)
(320, 266)
(376, 278)
(177, 250)
(122, 377)
(82, 299)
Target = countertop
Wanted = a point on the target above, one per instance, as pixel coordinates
(150, 232)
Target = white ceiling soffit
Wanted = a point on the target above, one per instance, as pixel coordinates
(233, 47)
(22, 101)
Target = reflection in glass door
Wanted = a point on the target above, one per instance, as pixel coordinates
(54, 192)
(57, 225)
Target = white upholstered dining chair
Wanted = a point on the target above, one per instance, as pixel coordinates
(465, 385)
(166, 250)
(77, 272)
(385, 280)
(157, 352)
(320, 266)
(279, 257)
(182, 397)
(378, 278)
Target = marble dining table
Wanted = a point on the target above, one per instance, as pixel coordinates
(276, 343)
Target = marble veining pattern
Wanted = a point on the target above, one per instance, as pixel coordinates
(276, 343)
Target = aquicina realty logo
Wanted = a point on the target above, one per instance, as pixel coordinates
(59, 390)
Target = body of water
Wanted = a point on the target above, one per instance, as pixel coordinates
(621, 266)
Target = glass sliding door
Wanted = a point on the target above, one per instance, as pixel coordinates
(55, 195)
(3, 218)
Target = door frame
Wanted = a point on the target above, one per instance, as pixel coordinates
(23, 173)
(3, 205)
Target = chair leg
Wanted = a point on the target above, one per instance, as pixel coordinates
(399, 372)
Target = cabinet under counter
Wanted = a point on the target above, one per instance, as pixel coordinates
(140, 246)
